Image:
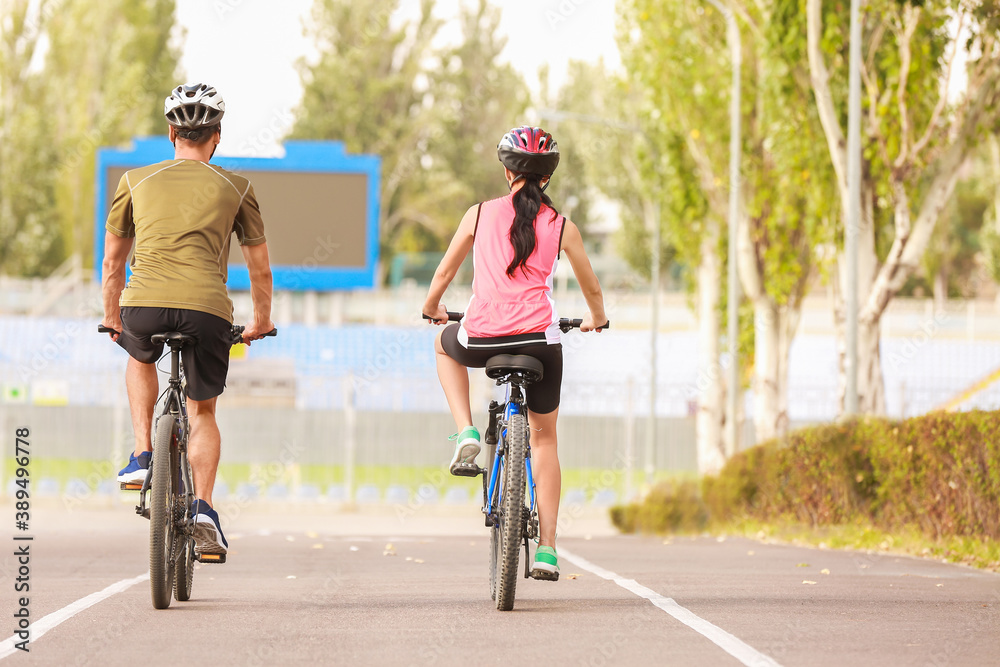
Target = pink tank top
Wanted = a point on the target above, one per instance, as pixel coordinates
(503, 305)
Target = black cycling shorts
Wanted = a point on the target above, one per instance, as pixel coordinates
(206, 363)
(543, 396)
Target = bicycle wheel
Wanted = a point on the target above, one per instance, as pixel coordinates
(185, 565)
(161, 520)
(185, 573)
(495, 526)
(511, 508)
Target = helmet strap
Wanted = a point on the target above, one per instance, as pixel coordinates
(546, 183)
(510, 183)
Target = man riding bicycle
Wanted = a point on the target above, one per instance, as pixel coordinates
(181, 214)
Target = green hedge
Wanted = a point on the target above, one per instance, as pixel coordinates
(939, 472)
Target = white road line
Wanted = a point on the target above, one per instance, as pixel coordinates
(732, 645)
(46, 623)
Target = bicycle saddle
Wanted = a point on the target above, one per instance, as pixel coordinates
(172, 338)
(505, 364)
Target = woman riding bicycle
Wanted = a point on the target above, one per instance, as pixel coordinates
(517, 241)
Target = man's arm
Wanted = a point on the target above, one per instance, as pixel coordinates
(259, 267)
(116, 250)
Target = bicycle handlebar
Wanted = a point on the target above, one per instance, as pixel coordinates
(452, 316)
(237, 332)
(565, 323)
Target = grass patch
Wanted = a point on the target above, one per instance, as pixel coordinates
(984, 554)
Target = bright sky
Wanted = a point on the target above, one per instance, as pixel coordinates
(248, 50)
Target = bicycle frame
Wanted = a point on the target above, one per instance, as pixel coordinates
(173, 404)
(513, 404)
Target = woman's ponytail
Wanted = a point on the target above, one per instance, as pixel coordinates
(527, 202)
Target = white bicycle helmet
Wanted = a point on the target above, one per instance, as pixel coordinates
(194, 105)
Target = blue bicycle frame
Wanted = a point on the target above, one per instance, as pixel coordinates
(511, 407)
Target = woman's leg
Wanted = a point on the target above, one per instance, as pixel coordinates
(454, 379)
(548, 476)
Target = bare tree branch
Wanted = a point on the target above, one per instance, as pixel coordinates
(910, 19)
(943, 98)
(824, 99)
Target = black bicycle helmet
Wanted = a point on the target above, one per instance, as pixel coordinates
(529, 150)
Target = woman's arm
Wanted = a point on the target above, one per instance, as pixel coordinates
(461, 243)
(572, 244)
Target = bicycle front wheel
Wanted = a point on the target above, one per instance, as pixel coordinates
(161, 520)
(511, 512)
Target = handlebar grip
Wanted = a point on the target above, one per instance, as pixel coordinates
(452, 316)
(103, 329)
(238, 330)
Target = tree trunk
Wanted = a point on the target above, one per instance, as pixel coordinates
(711, 397)
(765, 368)
(774, 331)
(871, 385)
(941, 287)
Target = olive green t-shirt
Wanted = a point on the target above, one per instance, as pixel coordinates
(182, 214)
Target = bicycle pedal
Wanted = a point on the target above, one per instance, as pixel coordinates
(542, 575)
(131, 486)
(466, 470)
(210, 558)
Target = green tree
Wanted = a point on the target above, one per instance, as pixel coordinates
(915, 136)
(479, 99)
(27, 189)
(103, 96)
(102, 81)
(677, 52)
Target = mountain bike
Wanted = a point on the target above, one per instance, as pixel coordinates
(169, 485)
(508, 485)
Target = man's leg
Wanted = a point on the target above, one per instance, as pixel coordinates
(143, 387)
(204, 446)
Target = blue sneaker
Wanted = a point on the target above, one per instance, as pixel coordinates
(136, 469)
(208, 537)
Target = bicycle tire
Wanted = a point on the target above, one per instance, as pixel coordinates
(161, 520)
(511, 511)
(184, 578)
(495, 526)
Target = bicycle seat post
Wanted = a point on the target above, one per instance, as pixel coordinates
(175, 362)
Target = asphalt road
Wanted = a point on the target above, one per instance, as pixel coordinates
(306, 585)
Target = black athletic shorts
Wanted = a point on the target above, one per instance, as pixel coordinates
(206, 363)
(543, 396)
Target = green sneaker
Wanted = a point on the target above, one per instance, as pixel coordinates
(546, 566)
(466, 451)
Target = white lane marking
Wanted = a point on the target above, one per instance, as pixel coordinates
(732, 645)
(46, 623)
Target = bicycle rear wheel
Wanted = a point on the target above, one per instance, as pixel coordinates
(511, 512)
(185, 573)
(161, 519)
(184, 577)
